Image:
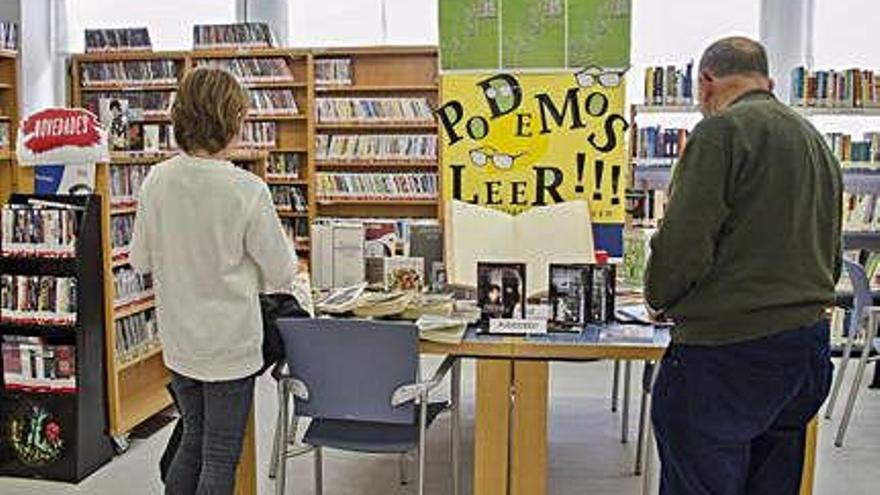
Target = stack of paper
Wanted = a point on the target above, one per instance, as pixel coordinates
(381, 305)
(441, 329)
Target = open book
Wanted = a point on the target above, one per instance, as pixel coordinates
(560, 233)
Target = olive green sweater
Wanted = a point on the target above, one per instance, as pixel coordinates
(750, 242)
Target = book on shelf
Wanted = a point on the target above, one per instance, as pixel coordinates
(289, 198)
(501, 290)
(656, 142)
(376, 147)
(38, 299)
(136, 335)
(272, 102)
(37, 231)
(376, 110)
(31, 364)
(848, 150)
(534, 237)
(850, 88)
(295, 229)
(5, 142)
(669, 85)
(377, 186)
(284, 166)
(333, 72)
(145, 104)
(252, 70)
(114, 117)
(121, 230)
(861, 212)
(258, 135)
(396, 273)
(136, 72)
(238, 35)
(9, 36)
(130, 286)
(118, 40)
(125, 183)
(426, 242)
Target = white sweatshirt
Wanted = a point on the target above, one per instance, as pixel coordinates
(209, 234)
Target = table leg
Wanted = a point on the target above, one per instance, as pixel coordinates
(456, 428)
(809, 473)
(492, 428)
(246, 473)
(528, 459)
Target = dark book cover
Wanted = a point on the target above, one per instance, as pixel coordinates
(569, 295)
(501, 290)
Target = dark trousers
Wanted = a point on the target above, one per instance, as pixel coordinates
(731, 419)
(214, 416)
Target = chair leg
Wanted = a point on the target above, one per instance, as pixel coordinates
(841, 373)
(643, 416)
(273, 462)
(624, 420)
(860, 373)
(456, 427)
(319, 471)
(403, 469)
(281, 464)
(423, 421)
(615, 385)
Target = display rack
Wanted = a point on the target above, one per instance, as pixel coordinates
(47, 433)
(9, 117)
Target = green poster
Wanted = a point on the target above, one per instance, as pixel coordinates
(598, 33)
(533, 33)
(469, 34)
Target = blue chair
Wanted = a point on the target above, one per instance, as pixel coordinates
(864, 316)
(359, 382)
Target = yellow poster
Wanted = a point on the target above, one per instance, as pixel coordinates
(512, 141)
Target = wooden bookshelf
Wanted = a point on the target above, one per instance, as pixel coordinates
(12, 178)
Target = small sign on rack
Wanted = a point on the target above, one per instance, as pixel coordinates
(502, 326)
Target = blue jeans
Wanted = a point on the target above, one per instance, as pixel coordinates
(731, 419)
(214, 416)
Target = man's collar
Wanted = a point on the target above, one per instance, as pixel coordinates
(752, 94)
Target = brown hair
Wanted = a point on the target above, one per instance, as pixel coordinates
(208, 110)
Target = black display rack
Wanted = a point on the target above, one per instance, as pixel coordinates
(62, 436)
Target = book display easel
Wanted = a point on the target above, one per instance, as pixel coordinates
(53, 412)
(334, 133)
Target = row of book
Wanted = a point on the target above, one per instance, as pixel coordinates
(657, 142)
(32, 231)
(295, 229)
(649, 207)
(125, 183)
(136, 335)
(31, 364)
(117, 40)
(377, 186)
(333, 72)
(851, 88)
(239, 35)
(375, 147)
(289, 198)
(861, 212)
(848, 150)
(670, 85)
(258, 135)
(138, 136)
(333, 110)
(284, 166)
(140, 72)
(121, 230)
(273, 102)
(8, 35)
(143, 103)
(130, 286)
(250, 70)
(38, 300)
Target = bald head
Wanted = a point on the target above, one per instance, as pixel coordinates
(736, 55)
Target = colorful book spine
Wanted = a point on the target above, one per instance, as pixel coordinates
(377, 186)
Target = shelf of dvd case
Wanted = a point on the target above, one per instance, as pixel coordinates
(138, 157)
(362, 88)
(275, 116)
(128, 86)
(379, 165)
(837, 111)
(274, 84)
(377, 201)
(377, 125)
(58, 267)
(668, 109)
(154, 351)
(134, 308)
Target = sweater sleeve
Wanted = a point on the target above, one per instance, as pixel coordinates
(140, 257)
(269, 247)
(683, 248)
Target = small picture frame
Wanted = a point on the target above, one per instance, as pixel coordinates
(501, 291)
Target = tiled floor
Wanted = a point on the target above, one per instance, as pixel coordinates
(586, 455)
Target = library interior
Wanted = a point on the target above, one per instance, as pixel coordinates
(487, 247)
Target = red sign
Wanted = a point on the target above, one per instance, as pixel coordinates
(61, 135)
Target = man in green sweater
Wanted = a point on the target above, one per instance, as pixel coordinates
(745, 264)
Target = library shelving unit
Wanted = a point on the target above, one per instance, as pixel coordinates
(9, 116)
(382, 72)
(47, 432)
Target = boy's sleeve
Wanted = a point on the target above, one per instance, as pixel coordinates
(267, 244)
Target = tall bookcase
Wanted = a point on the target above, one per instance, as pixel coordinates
(136, 387)
(9, 116)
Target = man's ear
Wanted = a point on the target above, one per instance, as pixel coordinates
(771, 84)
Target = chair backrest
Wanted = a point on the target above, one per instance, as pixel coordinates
(861, 293)
(351, 367)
